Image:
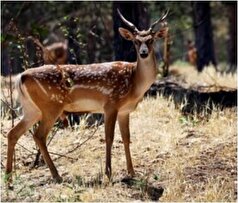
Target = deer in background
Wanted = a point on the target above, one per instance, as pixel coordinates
(191, 53)
(56, 53)
(113, 88)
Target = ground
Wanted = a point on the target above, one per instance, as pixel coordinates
(176, 157)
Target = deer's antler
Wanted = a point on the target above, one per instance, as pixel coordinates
(129, 24)
(152, 27)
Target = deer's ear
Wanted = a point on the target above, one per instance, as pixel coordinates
(126, 34)
(66, 42)
(161, 33)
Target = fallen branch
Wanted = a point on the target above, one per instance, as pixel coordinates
(194, 100)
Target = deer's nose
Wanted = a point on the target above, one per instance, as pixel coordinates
(143, 51)
(144, 54)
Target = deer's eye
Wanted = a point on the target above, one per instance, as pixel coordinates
(137, 42)
(150, 41)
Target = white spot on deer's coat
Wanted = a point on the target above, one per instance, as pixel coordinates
(52, 97)
(127, 82)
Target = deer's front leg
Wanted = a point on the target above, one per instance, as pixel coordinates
(125, 133)
(110, 120)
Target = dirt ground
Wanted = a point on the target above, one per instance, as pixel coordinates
(176, 158)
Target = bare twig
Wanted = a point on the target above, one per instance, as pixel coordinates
(5, 97)
(10, 86)
(2, 165)
(9, 106)
(32, 153)
(62, 155)
(96, 35)
(90, 137)
(21, 145)
(75, 148)
(37, 155)
(53, 133)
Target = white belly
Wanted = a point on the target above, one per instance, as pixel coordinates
(85, 105)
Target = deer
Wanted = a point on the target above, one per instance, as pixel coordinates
(112, 88)
(55, 53)
(191, 53)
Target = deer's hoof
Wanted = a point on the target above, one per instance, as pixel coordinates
(58, 179)
(8, 181)
(108, 172)
(131, 173)
(10, 186)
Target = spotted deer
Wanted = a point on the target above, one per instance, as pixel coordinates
(113, 88)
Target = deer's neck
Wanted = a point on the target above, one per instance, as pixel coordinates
(145, 74)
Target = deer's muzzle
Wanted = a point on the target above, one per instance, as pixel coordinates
(143, 51)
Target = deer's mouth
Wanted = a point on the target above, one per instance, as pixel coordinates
(144, 55)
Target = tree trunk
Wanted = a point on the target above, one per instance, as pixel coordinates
(136, 13)
(232, 41)
(203, 34)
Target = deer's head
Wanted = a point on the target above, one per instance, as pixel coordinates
(143, 40)
(56, 53)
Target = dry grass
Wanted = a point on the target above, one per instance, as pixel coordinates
(192, 159)
(208, 77)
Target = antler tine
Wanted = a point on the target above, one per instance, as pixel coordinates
(161, 19)
(131, 25)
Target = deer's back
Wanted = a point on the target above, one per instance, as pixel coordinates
(81, 87)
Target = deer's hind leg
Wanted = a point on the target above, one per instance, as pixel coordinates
(110, 120)
(40, 137)
(30, 117)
